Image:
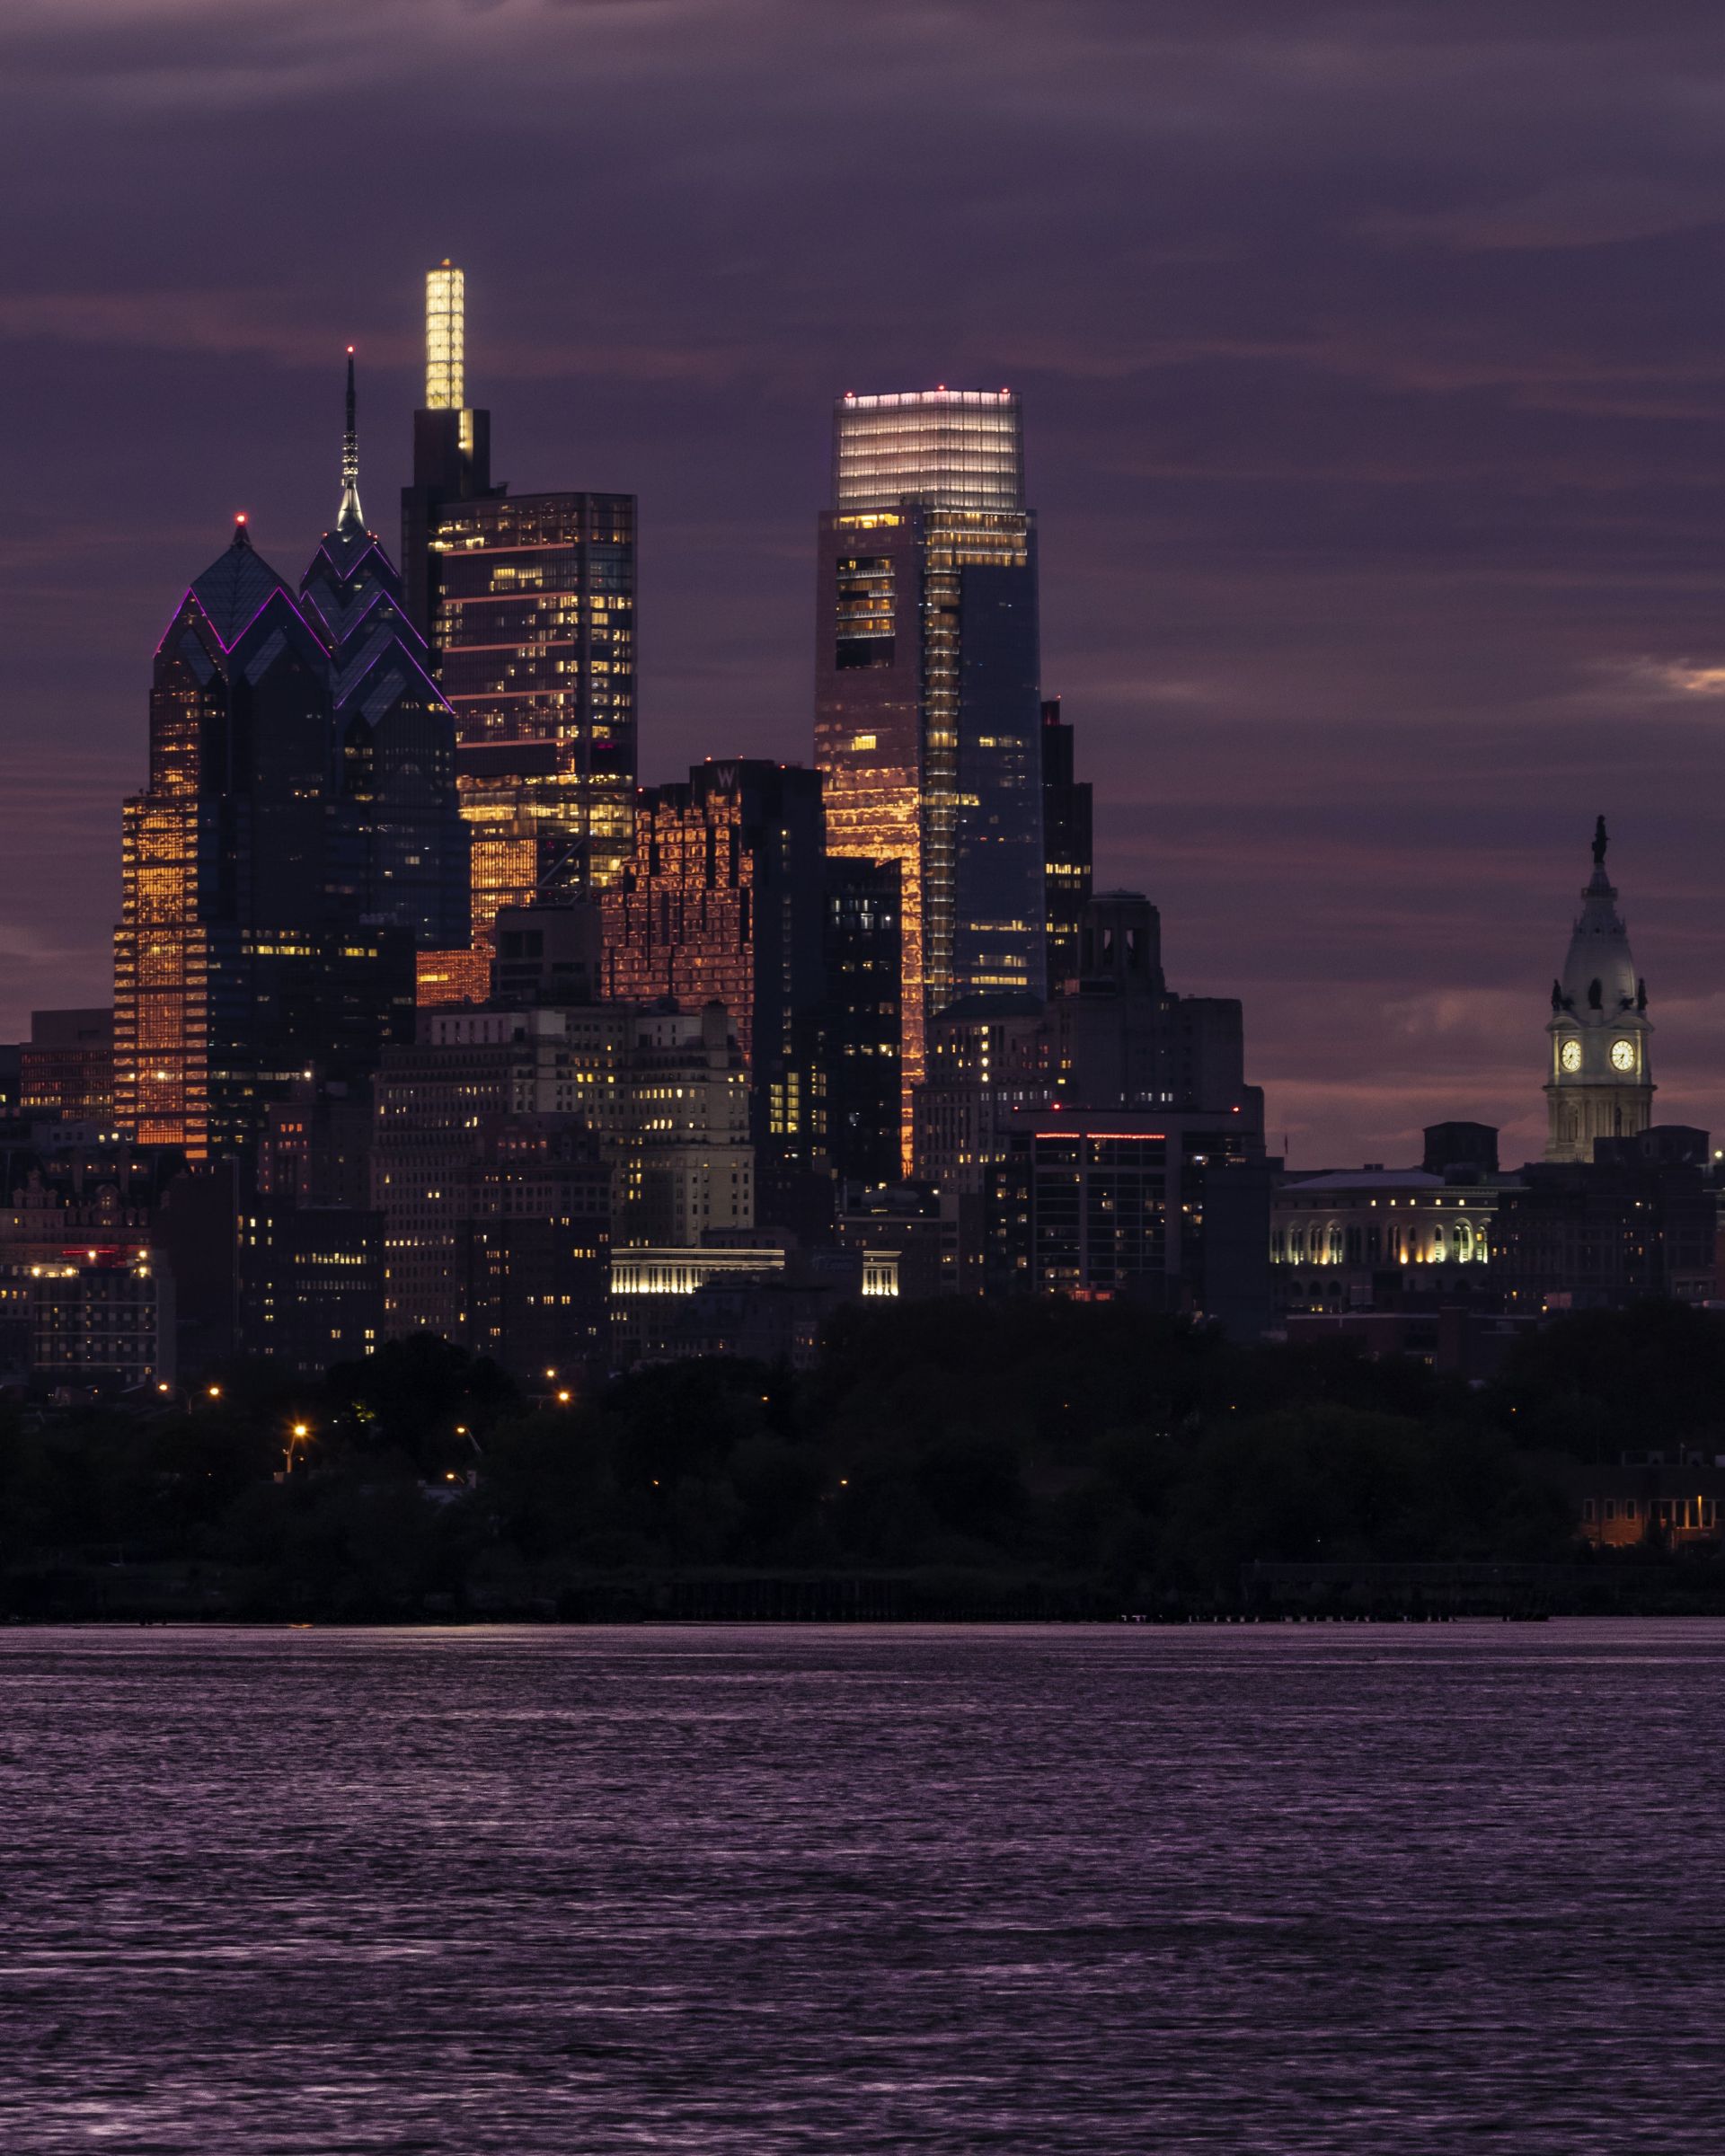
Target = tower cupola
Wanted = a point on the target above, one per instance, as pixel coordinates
(1600, 1079)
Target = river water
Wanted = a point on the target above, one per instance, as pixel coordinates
(1281, 1888)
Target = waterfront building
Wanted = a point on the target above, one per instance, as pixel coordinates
(1599, 1074)
(1666, 1499)
(927, 712)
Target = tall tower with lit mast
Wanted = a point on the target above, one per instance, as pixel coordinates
(527, 603)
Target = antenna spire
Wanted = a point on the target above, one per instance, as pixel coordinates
(351, 523)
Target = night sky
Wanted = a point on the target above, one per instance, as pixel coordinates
(1371, 368)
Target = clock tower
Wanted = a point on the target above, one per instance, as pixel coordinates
(1598, 1074)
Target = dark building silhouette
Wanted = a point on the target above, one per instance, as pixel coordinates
(1458, 1149)
(1639, 1220)
(860, 1046)
(1066, 845)
(1116, 1036)
(1169, 1210)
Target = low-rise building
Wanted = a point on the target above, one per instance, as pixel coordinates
(1169, 1210)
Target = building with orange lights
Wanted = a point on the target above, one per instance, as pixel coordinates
(721, 901)
(927, 704)
(244, 960)
(528, 604)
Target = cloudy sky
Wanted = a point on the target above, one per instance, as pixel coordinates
(1371, 365)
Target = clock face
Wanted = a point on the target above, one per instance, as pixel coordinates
(1570, 1055)
(1623, 1054)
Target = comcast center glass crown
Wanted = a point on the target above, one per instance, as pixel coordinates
(948, 449)
(445, 339)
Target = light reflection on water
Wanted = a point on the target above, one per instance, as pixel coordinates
(1285, 1889)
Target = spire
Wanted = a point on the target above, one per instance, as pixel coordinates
(241, 532)
(351, 523)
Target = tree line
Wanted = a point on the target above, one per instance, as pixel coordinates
(1124, 1461)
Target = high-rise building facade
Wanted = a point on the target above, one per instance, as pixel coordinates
(718, 901)
(298, 839)
(395, 733)
(243, 959)
(528, 602)
(1115, 1036)
(865, 966)
(927, 717)
(1599, 1075)
(1066, 845)
(1172, 1211)
(66, 1067)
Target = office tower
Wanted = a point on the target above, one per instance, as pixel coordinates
(528, 604)
(66, 1067)
(1599, 1075)
(1169, 1210)
(663, 1095)
(864, 959)
(308, 1282)
(540, 1249)
(719, 901)
(927, 706)
(1116, 1036)
(452, 443)
(240, 965)
(396, 735)
(1065, 845)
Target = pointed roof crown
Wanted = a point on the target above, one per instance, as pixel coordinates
(350, 518)
(235, 585)
(1599, 973)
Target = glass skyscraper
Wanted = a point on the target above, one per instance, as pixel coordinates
(528, 604)
(927, 719)
(244, 961)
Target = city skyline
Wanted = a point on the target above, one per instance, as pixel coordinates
(1348, 731)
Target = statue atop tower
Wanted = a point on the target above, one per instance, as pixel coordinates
(1600, 1077)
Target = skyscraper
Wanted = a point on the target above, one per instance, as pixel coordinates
(395, 733)
(720, 901)
(242, 961)
(1599, 1076)
(927, 717)
(1065, 844)
(528, 604)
